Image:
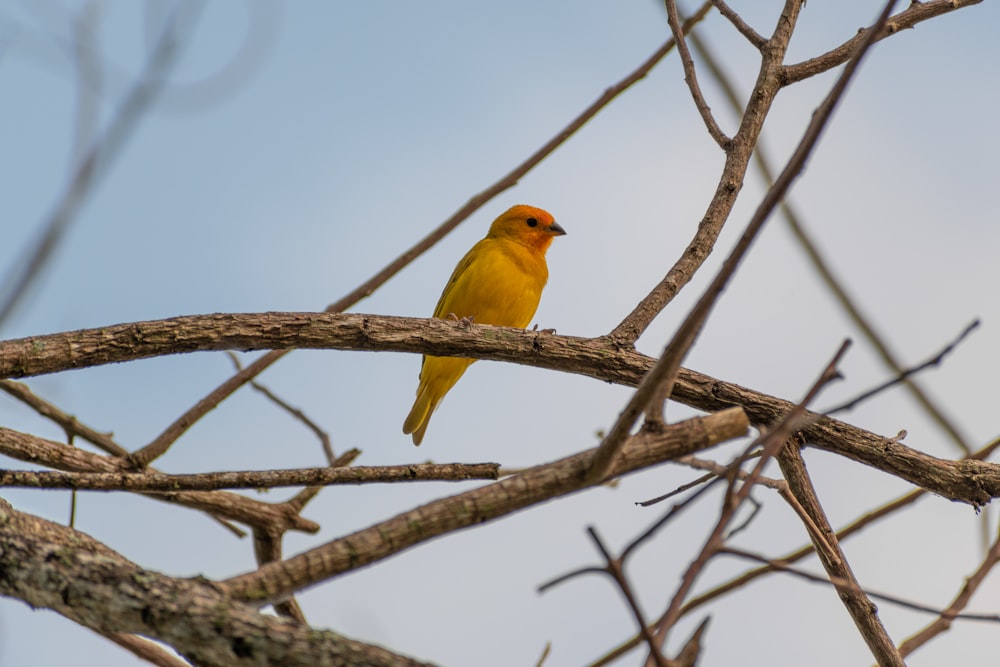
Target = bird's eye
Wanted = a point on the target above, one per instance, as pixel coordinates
(532, 222)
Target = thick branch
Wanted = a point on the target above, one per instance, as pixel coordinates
(39, 355)
(972, 482)
(54, 567)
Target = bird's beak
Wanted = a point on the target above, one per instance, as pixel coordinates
(556, 230)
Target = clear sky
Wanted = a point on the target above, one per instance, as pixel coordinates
(344, 134)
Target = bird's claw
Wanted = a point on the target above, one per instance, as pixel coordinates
(462, 322)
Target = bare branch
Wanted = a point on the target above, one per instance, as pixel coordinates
(324, 437)
(661, 377)
(862, 610)
(770, 444)
(50, 566)
(221, 503)
(781, 566)
(691, 78)
(69, 423)
(614, 568)
(249, 479)
(916, 13)
(744, 28)
(961, 601)
(738, 582)
(905, 374)
(969, 481)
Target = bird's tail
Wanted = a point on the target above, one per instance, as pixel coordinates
(420, 414)
(437, 376)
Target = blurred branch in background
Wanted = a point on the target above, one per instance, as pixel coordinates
(94, 153)
(94, 162)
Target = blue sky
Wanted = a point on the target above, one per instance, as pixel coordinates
(357, 127)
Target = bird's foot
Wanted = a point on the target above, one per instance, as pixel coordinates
(463, 322)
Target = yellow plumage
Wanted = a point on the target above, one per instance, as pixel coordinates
(499, 282)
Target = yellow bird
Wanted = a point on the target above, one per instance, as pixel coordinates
(498, 282)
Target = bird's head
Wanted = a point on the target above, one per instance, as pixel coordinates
(526, 224)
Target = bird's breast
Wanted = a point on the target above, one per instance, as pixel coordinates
(501, 285)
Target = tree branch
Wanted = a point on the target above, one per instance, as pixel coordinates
(961, 600)
(862, 610)
(969, 481)
(742, 26)
(691, 78)
(220, 503)
(54, 567)
(536, 485)
(248, 479)
(916, 13)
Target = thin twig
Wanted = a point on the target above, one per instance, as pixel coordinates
(669, 516)
(691, 78)
(146, 650)
(905, 373)
(954, 611)
(742, 26)
(68, 422)
(614, 568)
(715, 469)
(324, 437)
(848, 585)
(647, 534)
(679, 490)
(545, 654)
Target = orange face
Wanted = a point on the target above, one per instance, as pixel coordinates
(532, 226)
